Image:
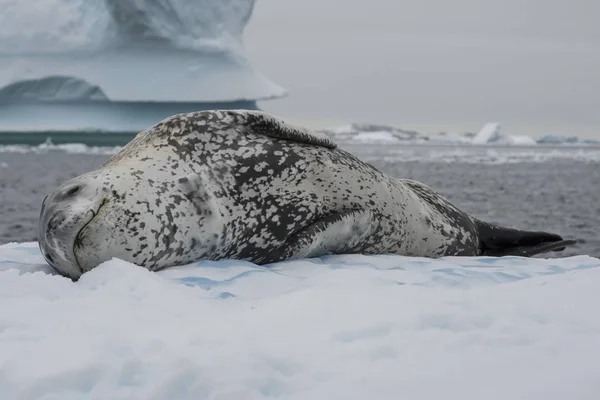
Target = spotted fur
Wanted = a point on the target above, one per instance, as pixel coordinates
(243, 185)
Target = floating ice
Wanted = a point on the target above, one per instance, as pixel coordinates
(521, 140)
(490, 134)
(350, 326)
(489, 155)
(370, 133)
(560, 139)
(383, 153)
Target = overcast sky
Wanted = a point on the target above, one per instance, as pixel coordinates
(433, 65)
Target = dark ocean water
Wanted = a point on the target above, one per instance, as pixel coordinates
(556, 190)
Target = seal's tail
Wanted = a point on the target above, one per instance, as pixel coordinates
(497, 241)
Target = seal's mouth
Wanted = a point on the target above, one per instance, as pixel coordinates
(78, 242)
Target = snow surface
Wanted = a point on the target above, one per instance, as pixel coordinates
(351, 327)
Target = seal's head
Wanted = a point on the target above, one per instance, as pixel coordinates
(89, 220)
(131, 211)
(64, 214)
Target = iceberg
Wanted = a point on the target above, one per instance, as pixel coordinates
(489, 133)
(123, 64)
(381, 326)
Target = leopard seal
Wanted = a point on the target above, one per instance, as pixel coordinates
(247, 185)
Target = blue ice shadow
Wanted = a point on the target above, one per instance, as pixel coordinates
(207, 283)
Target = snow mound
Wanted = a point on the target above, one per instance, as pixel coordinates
(383, 327)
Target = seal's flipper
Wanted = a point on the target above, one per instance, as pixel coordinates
(261, 123)
(350, 231)
(498, 241)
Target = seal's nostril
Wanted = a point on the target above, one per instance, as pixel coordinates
(48, 258)
(56, 220)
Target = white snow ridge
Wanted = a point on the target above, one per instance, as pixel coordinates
(338, 327)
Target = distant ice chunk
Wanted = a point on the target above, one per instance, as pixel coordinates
(384, 327)
(488, 134)
(375, 137)
(521, 140)
(448, 139)
(382, 134)
(491, 133)
(371, 133)
(561, 139)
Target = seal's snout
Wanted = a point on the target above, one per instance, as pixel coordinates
(62, 216)
(56, 221)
